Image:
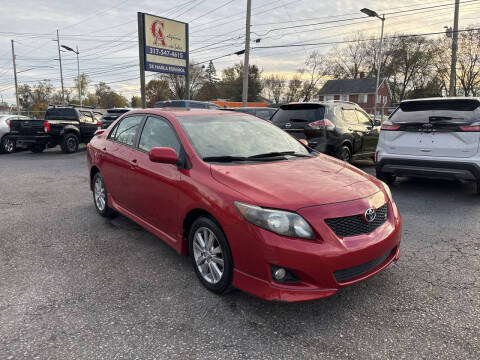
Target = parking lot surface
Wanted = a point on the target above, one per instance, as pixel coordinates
(74, 285)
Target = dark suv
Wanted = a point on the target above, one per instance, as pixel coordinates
(66, 126)
(110, 116)
(338, 128)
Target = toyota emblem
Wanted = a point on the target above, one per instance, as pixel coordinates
(369, 215)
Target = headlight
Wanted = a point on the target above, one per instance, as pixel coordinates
(387, 189)
(280, 222)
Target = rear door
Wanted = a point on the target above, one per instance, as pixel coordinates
(293, 118)
(352, 127)
(434, 127)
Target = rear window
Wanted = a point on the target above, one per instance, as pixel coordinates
(298, 113)
(61, 114)
(447, 104)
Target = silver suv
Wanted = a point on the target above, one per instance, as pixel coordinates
(8, 144)
(431, 138)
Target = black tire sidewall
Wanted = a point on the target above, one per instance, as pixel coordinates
(65, 145)
(389, 179)
(340, 153)
(226, 282)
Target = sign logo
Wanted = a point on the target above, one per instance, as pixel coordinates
(157, 32)
(369, 215)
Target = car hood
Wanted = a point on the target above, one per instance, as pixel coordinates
(295, 184)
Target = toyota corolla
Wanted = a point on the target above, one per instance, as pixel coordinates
(253, 207)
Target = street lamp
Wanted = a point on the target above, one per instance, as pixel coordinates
(372, 13)
(78, 70)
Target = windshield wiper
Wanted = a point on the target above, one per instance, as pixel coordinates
(276, 154)
(224, 158)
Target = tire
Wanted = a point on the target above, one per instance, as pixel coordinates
(207, 260)
(344, 154)
(37, 148)
(8, 145)
(70, 143)
(387, 178)
(100, 197)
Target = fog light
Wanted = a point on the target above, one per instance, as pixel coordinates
(279, 274)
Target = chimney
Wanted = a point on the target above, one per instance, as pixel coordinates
(362, 75)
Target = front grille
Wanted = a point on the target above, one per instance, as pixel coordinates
(356, 271)
(354, 225)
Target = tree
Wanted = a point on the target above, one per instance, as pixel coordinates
(349, 61)
(231, 84)
(316, 67)
(156, 90)
(273, 87)
(293, 90)
(209, 88)
(468, 62)
(107, 98)
(136, 102)
(83, 80)
(177, 84)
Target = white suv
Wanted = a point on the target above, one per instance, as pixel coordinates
(432, 138)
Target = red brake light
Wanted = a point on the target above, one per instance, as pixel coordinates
(8, 123)
(46, 126)
(470, 128)
(388, 126)
(320, 124)
(99, 124)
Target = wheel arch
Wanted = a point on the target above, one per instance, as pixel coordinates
(70, 129)
(187, 223)
(93, 171)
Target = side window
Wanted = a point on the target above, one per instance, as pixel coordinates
(158, 133)
(126, 131)
(195, 105)
(363, 119)
(349, 117)
(86, 116)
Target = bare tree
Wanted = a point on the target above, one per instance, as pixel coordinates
(316, 67)
(293, 90)
(273, 87)
(196, 75)
(468, 62)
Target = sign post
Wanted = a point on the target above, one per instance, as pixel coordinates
(163, 48)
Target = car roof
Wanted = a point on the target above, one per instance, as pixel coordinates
(173, 111)
(250, 107)
(443, 98)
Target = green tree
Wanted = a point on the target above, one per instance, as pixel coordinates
(136, 102)
(107, 98)
(231, 84)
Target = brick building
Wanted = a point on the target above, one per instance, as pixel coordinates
(360, 91)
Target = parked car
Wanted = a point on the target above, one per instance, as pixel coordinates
(431, 138)
(7, 142)
(66, 126)
(338, 128)
(261, 112)
(252, 206)
(186, 104)
(110, 116)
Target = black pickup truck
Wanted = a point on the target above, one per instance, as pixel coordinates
(67, 126)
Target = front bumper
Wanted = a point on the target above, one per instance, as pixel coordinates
(434, 169)
(323, 266)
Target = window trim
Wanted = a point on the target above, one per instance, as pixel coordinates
(142, 126)
(346, 122)
(109, 137)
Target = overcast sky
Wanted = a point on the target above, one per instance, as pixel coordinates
(106, 33)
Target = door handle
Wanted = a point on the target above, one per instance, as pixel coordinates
(134, 162)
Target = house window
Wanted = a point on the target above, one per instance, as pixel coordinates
(384, 100)
(379, 99)
(362, 98)
(329, 97)
(344, 97)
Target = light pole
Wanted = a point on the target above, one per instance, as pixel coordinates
(78, 71)
(372, 13)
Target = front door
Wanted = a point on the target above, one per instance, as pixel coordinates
(370, 133)
(88, 125)
(351, 127)
(155, 185)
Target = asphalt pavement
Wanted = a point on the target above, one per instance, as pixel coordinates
(74, 285)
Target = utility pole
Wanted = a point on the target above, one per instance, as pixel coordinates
(247, 55)
(79, 80)
(61, 72)
(15, 76)
(453, 71)
(378, 69)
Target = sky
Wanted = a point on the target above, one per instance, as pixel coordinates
(106, 33)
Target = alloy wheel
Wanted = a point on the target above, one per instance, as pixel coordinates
(9, 145)
(99, 193)
(208, 255)
(71, 144)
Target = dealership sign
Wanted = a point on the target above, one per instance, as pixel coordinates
(165, 44)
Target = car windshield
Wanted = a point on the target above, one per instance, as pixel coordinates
(237, 136)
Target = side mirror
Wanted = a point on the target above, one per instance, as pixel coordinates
(163, 155)
(377, 123)
(304, 142)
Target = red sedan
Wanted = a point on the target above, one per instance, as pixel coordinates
(253, 207)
